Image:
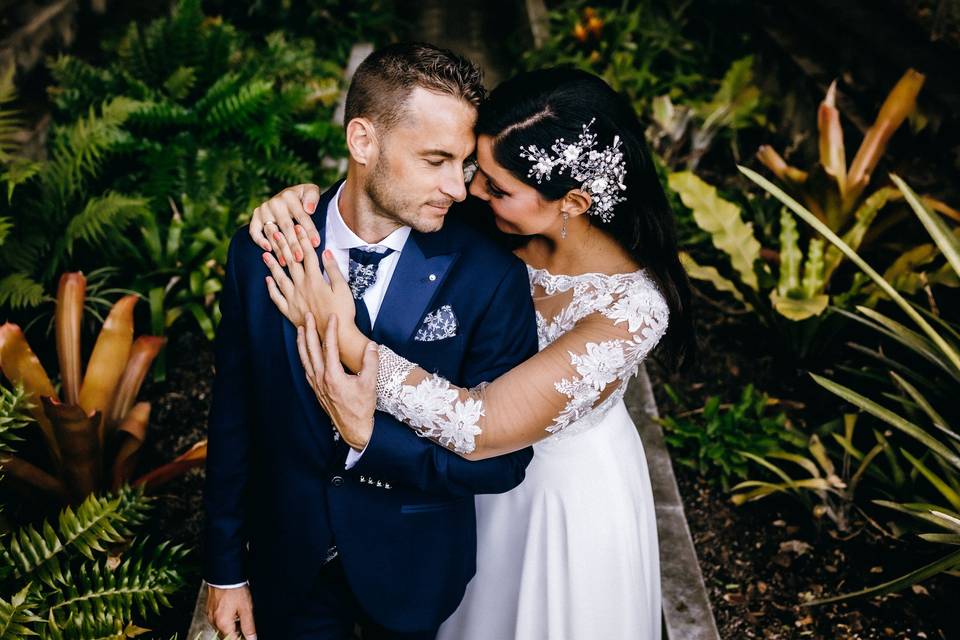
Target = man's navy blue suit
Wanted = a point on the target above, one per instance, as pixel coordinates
(277, 495)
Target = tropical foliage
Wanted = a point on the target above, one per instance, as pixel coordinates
(922, 412)
(94, 428)
(718, 439)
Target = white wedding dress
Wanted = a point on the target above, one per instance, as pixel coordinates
(571, 553)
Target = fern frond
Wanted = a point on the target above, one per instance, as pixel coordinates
(79, 148)
(91, 526)
(79, 84)
(14, 407)
(235, 111)
(16, 618)
(162, 114)
(141, 583)
(18, 171)
(19, 290)
(180, 82)
(111, 211)
(6, 224)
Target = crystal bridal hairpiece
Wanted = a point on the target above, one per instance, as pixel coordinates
(601, 173)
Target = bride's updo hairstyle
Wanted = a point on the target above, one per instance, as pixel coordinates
(538, 107)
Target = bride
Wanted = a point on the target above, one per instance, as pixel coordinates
(572, 552)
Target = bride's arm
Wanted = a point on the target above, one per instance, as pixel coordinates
(535, 399)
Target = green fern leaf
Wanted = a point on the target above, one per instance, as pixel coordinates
(111, 211)
(141, 583)
(16, 619)
(14, 407)
(180, 82)
(19, 290)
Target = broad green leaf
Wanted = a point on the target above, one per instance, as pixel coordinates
(722, 220)
(711, 275)
(798, 310)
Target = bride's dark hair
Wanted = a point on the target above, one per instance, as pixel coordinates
(536, 108)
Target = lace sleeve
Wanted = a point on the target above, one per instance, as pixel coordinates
(578, 371)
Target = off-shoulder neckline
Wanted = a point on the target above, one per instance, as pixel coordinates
(598, 274)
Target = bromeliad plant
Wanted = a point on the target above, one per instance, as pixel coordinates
(931, 437)
(94, 429)
(838, 198)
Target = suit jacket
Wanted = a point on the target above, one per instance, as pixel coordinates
(277, 495)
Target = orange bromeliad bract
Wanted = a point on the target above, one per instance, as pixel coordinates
(97, 412)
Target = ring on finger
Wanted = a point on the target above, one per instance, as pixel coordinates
(273, 222)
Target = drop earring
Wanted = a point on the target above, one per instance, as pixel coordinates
(563, 229)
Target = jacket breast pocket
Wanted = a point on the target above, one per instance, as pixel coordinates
(429, 507)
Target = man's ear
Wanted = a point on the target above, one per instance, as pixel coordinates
(362, 141)
(576, 202)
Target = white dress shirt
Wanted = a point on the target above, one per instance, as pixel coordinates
(339, 239)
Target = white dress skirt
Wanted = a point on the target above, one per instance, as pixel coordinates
(571, 553)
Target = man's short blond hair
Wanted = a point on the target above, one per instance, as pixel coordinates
(385, 79)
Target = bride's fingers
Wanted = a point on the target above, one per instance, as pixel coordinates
(337, 282)
(314, 349)
(256, 230)
(278, 298)
(280, 276)
(311, 263)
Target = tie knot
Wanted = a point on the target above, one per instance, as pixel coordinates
(368, 256)
(363, 269)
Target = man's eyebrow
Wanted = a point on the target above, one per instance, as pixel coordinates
(436, 152)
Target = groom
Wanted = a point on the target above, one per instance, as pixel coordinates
(306, 537)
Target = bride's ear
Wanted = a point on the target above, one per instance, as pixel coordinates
(576, 202)
(362, 141)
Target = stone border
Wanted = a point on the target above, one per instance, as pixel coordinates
(686, 607)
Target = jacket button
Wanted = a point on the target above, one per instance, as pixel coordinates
(336, 481)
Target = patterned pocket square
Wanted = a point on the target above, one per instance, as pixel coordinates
(439, 324)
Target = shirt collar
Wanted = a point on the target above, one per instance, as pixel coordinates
(340, 236)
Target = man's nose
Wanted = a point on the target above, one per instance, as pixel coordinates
(454, 185)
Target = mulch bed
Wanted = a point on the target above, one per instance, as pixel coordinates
(178, 419)
(760, 562)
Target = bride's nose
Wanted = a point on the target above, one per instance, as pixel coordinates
(476, 187)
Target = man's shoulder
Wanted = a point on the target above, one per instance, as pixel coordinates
(478, 248)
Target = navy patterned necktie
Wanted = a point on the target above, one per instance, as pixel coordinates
(363, 269)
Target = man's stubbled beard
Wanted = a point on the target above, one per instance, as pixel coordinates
(387, 199)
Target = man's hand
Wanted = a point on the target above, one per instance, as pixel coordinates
(227, 607)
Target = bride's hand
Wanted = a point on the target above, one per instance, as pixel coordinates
(302, 288)
(272, 226)
(349, 400)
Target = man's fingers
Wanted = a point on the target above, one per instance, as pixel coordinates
(302, 350)
(368, 369)
(331, 350)
(247, 628)
(314, 349)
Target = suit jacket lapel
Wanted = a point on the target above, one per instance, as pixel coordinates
(424, 263)
(318, 425)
